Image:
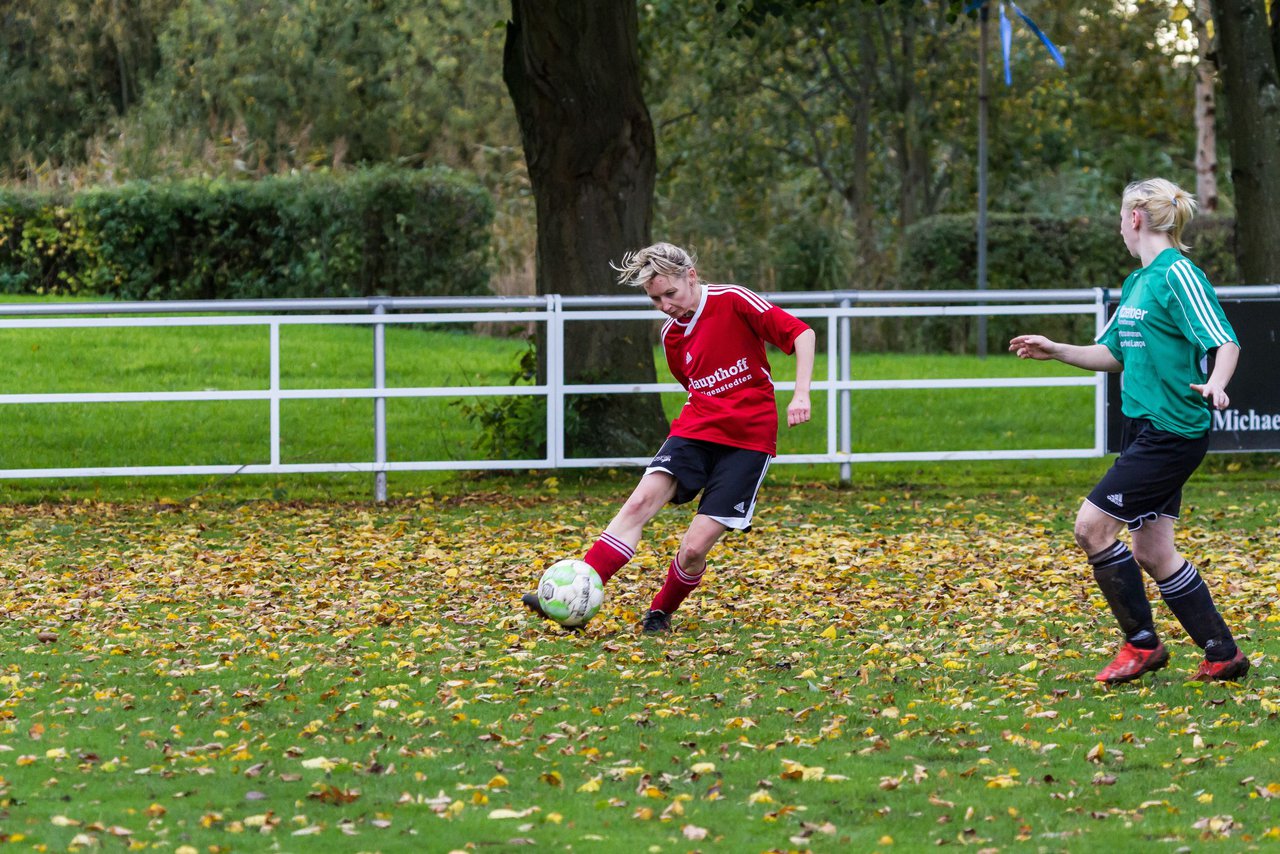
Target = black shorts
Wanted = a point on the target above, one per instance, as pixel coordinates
(1147, 478)
(729, 478)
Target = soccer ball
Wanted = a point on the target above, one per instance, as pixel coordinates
(570, 592)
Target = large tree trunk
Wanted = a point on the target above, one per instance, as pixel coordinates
(1275, 30)
(572, 68)
(1251, 85)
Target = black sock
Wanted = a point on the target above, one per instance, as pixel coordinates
(1188, 598)
(1120, 579)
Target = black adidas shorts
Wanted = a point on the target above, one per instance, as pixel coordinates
(1147, 478)
(729, 478)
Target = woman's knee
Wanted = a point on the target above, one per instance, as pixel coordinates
(1154, 557)
(640, 507)
(699, 540)
(692, 553)
(645, 501)
(1092, 534)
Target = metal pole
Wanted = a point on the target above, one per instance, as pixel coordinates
(1100, 391)
(275, 392)
(380, 406)
(983, 89)
(555, 381)
(845, 372)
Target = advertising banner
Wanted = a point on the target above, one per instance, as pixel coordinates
(1252, 421)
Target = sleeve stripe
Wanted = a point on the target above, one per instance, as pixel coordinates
(756, 301)
(1194, 288)
(663, 334)
(1190, 323)
(1111, 321)
(1201, 303)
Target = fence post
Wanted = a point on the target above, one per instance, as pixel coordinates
(274, 338)
(1100, 390)
(380, 406)
(844, 372)
(555, 380)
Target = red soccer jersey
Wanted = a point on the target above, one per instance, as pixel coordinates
(719, 357)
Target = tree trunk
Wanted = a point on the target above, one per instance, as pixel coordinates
(572, 69)
(1275, 31)
(1252, 89)
(1206, 116)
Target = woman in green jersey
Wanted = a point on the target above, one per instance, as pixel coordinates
(1167, 329)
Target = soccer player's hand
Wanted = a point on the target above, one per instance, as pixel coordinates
(798, 410)
(1032, 347)
(1213, 394)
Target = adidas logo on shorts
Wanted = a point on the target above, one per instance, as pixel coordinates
(1117, 499)
(740, 507)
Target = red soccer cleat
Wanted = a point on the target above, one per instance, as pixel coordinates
(1131, 662)
(1231, 670)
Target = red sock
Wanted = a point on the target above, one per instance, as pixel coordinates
(679, 584)
(608, 555)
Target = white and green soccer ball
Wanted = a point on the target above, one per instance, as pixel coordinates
(570, 592)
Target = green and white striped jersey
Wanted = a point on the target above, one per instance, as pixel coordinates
(1168, 321)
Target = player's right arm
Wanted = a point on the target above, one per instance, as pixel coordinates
(1090, 357)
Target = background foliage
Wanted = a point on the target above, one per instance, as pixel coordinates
(797, 141)
(850, 122)
(1029, 252)
(362, 232)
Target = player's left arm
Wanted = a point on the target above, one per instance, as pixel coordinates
(791, 335)
(1195, 309)
(799, 409)
(1214, 389)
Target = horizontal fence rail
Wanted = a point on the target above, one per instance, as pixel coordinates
(557, 315)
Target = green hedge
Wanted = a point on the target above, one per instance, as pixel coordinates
(1031, 252)
(373, 231)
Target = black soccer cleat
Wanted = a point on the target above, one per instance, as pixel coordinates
(656, 622)
(531, 602)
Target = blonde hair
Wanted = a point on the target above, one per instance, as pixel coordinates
(660, 259)
(1168, 207)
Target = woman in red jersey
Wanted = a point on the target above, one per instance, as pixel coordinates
(722, 441)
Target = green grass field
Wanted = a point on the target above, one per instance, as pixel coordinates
(197, 665)
(862, 672)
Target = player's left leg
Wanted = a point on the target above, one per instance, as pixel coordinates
(728, 503)
(685, 572)
(1188, 597)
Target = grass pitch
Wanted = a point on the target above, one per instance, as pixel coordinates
(866, 670)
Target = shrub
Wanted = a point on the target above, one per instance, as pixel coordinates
(372, 231)
(514, 427)
(43, 246)
(1030, 252)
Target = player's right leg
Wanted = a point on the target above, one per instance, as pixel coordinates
(1118, 576)
(617, 544)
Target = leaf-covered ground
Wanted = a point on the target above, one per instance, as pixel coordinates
(855, 674)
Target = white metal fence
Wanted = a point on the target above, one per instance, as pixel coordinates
(558, 314)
